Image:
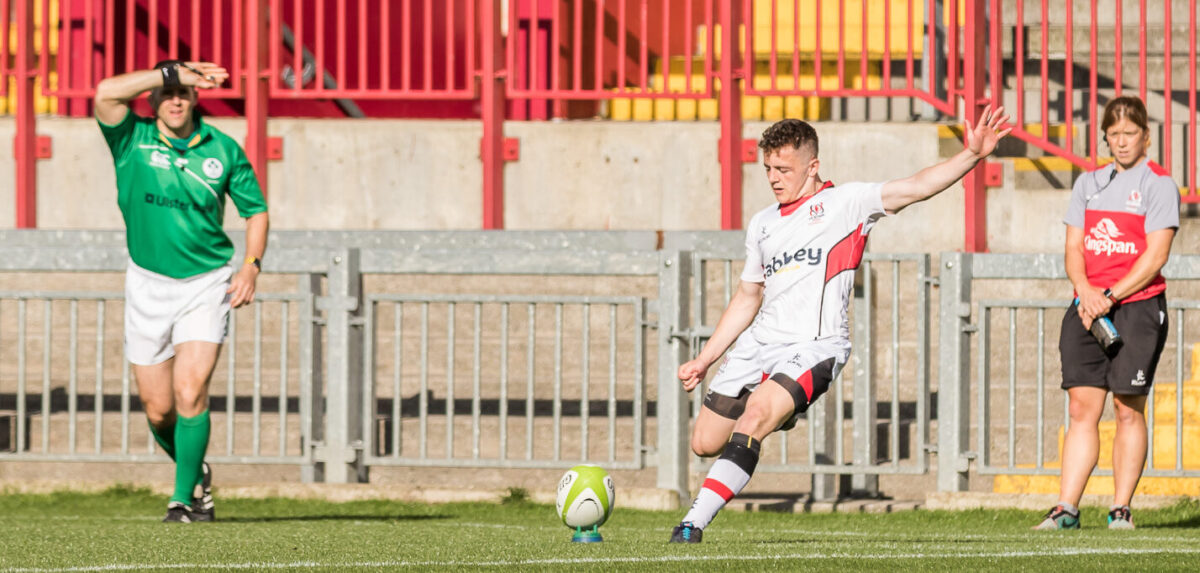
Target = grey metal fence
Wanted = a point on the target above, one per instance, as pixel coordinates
(505, 392)
(1013, 397)
(49, 424)
(545, 349)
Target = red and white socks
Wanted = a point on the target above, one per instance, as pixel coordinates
(728, 476)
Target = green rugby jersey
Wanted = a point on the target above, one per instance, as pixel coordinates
(173, 201)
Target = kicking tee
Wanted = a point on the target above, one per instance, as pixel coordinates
(173, 198)
(1117, 210)
(805, 254)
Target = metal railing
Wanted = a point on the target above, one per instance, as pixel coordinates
(576, 393)
(1080, 65)
(353, 369)
(49, 425)
(1012, 417)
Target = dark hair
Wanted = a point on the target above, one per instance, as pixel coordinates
(789, 132)
(1126, 107)
(156, 93)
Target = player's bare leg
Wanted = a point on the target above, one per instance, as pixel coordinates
(710, 433)
(767, 408)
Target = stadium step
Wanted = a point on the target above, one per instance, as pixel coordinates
(1164, 454)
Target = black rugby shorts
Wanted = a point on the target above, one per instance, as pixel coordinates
(1143, 326)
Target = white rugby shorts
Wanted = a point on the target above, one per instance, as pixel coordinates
(161, 312)
(750, 362)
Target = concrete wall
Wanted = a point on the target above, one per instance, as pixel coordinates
(394, 174)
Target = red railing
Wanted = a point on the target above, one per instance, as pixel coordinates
(531, 61)
(622, 42)
(1105, 78)
(97, 39)
(879, 44)
(374, 49)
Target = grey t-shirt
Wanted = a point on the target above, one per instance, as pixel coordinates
(1117, 210)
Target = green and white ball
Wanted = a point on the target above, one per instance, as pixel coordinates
(585, 496)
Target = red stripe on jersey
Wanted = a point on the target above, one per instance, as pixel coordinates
(786, 209)
(765, 376)
(805, 382)
(1157, 169)
(846, 254)
(718, 488)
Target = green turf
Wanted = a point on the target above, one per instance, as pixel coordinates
(119, 531)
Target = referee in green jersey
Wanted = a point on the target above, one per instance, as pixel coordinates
(173, 174)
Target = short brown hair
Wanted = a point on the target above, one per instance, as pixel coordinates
(1125, 107)
(789, 132)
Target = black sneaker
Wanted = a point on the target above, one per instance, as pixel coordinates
(178, 513)
(686, 533)
(202, 507)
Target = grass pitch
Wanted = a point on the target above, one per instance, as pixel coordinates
(119, 531)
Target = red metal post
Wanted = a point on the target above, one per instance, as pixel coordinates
(1168, 98)
(24, 146)
(730, 103)
(257, 88)
(974, 184)
(1192, 63)
(492, 97)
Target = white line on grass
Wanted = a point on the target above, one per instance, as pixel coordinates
(1066, 552)
(897, 536)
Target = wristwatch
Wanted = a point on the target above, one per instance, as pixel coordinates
(1108, 293)
(257, 262)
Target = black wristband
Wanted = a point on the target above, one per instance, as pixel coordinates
(1108, 293)
(170, 74)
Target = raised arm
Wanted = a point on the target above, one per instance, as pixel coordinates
(114, 94)
(981, 141)
(737, 316)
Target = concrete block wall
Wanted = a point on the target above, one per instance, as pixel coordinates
(391, 174)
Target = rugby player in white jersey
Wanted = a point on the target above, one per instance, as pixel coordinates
(789, 312)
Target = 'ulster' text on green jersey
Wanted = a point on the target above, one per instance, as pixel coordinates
(173, 200)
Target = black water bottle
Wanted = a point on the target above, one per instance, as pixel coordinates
(1105, 333)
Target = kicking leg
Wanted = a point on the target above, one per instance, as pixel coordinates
(767, 408)
(714, 423)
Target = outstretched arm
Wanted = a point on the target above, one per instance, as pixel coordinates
(113, 94)
(981, 141)
(737, 316)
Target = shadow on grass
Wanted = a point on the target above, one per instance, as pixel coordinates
(1192, 522)
(278, 518)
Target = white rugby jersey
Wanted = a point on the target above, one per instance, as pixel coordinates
(805, 253)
